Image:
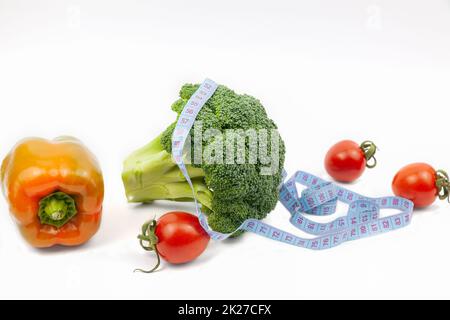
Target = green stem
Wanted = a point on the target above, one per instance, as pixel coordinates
(151, 174)
(149, 241)
(57, 209)
(443, 185)
(149, 166)
(369, 148)
(177, 191)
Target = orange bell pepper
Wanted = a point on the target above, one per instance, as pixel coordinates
(55, 191)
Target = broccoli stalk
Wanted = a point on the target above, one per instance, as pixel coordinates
(151, 174)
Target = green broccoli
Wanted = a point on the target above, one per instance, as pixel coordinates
(230, 192)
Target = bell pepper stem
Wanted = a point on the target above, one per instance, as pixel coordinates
(57, 209)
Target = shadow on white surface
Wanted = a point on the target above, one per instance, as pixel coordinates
(62, 250)
(434, 208)
(161, 207)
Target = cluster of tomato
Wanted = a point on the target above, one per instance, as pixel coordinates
(418, 182)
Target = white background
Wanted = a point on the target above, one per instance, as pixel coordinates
(107, 72)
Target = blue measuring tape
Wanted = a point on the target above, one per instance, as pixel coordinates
(320, 198)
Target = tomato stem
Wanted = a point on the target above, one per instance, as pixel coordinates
(148, 241)
(443, 185)
(369, 148)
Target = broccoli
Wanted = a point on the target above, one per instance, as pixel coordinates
(230, 192)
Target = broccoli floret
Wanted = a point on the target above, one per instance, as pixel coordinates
(229, 193)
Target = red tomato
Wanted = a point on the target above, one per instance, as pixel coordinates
(346, 160)
(181, 238)
(177, 237)
(421, 184)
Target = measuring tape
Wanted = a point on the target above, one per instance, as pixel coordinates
(320, 198)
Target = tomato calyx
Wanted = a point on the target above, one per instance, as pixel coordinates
(149, 241)
(369, 148)
(443, 185)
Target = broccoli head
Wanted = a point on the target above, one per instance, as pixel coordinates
(236, 178)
